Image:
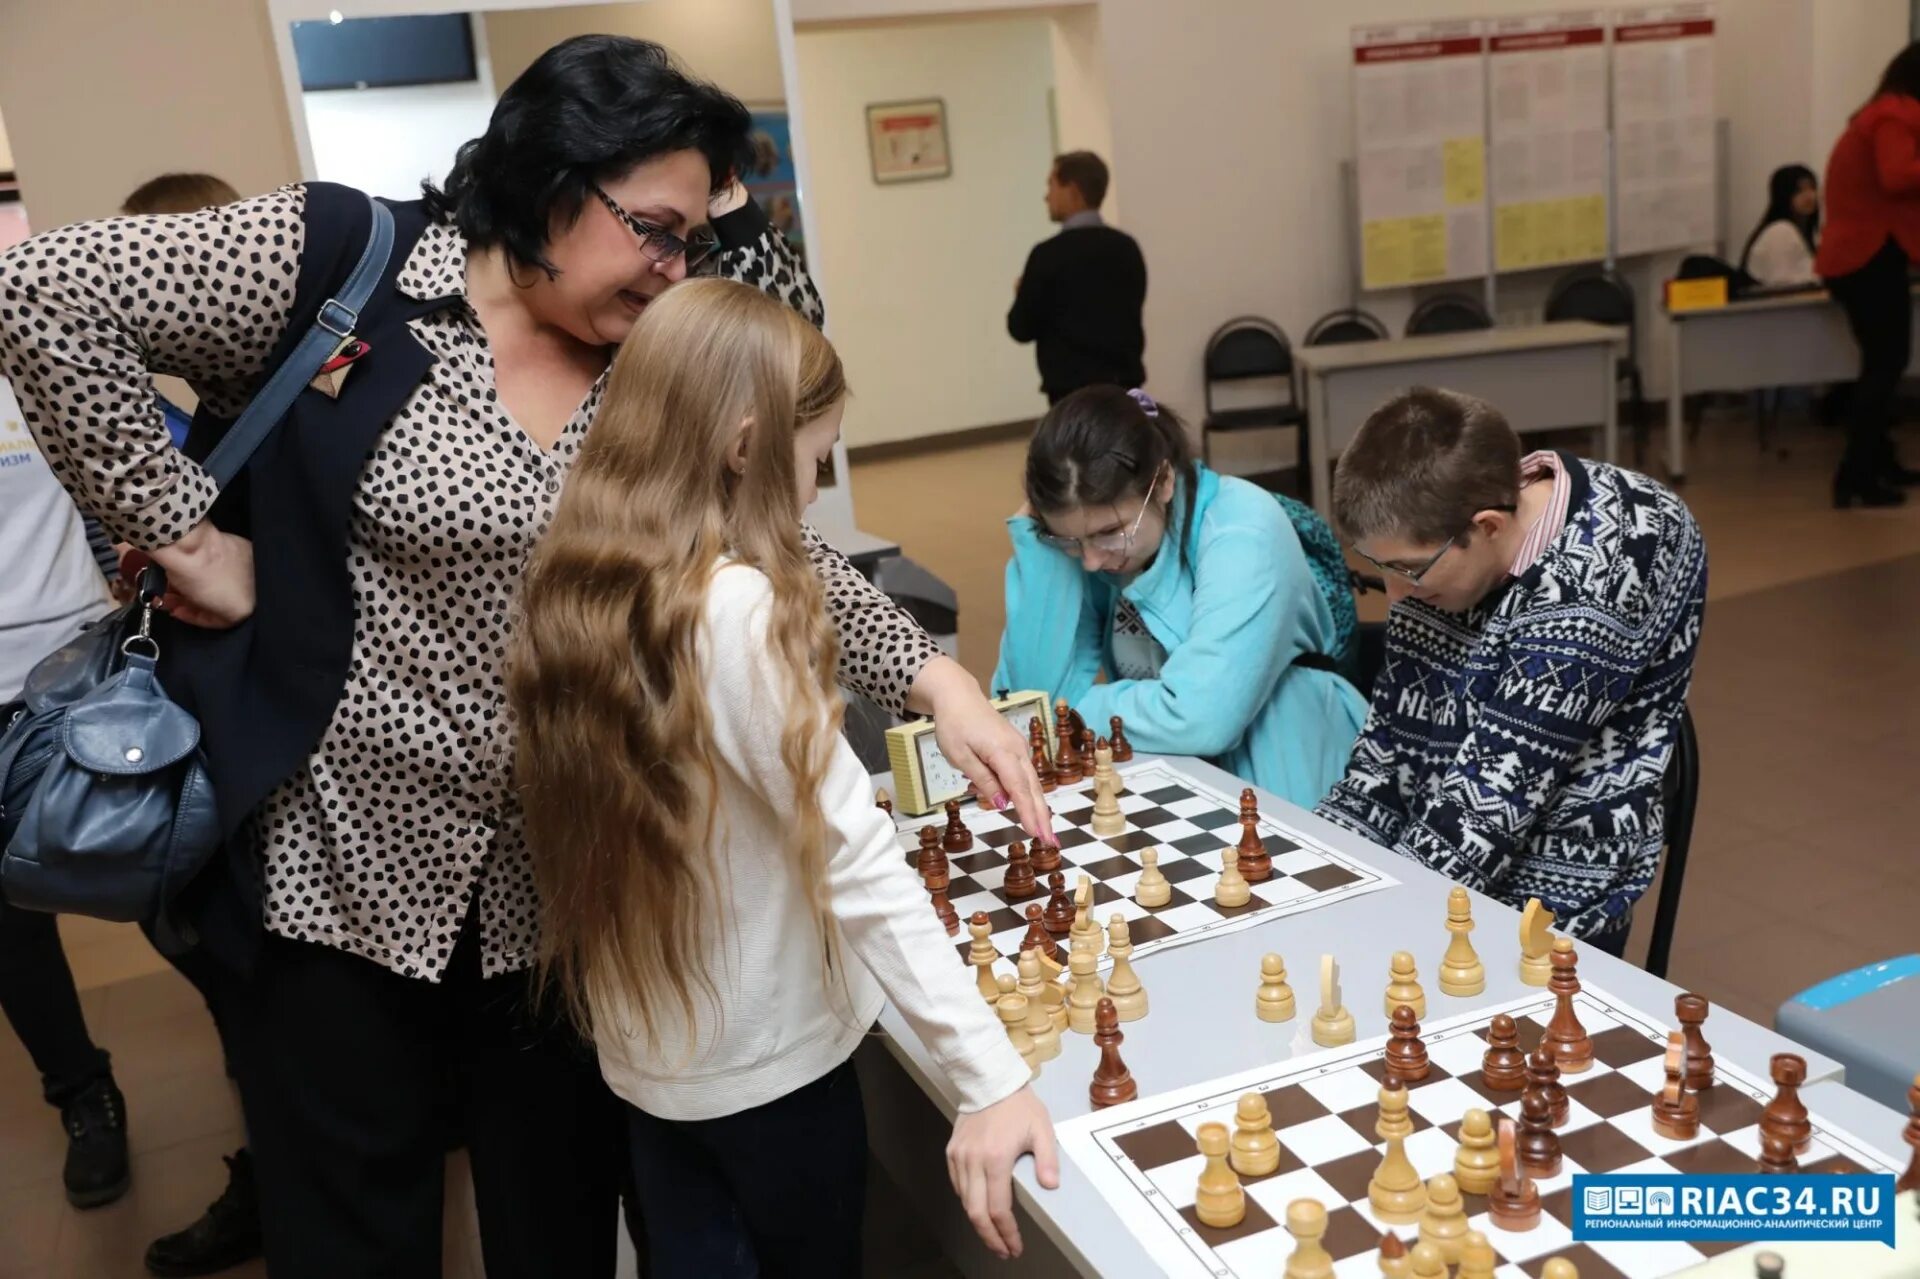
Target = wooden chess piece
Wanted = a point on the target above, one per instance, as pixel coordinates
(1042, 759)
(1766, 1265)
(1012, 1008)
(1776, 1149)
(1084, 933)
(1307, 1223)
(1559, 1268)
(1788, 1112)
(1080, 732)
(1676, 1112)
(1255, 864)
(1514, 1204)
(1274, 1000)
(1406, 1056)
(935, 874)
(1476, 1164)
(1543, 1075)
(1067, 766)
(1045, 857)
(883, 801)
(1108, 820)
(981, 954)
(1691, 1010)
(1231, 890)
(1256, 1151)
(1059, 913)
(1040, 1027)
(1910, 1179)
(1476, 1257)
(1394, 1262)
(1218, 1200)
(1396, 1194)
(1039, 940)
(1536, 942)
(1403, 985)
(1425, 1262)
(1122, 748)
(1112, 1081)
(1152, 890)
(957, 839)
(1572, 1049)
(1503, 1065)
(1020, 882)
(1332, 1023)
(1086, 994)
(1461, 972)
(1444, 1222)
(1123, 984)
(1537, 1146)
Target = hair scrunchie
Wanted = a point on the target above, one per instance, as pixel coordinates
(1145, 402)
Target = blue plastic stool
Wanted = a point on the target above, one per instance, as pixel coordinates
(1869, 1021)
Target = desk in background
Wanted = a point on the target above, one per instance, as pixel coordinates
(1540, 376)
(863, 550)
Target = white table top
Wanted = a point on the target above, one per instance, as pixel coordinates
(1201, 1024)
(1453, 346)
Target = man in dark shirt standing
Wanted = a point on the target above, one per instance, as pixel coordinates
(1079, 300)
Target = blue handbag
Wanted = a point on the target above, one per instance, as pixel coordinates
(105, 805)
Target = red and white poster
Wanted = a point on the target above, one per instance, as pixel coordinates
(1663, 121)
(1547, 126)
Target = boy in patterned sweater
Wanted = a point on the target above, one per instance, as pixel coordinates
(1545, 615)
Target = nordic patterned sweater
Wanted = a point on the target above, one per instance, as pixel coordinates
(1519, 748)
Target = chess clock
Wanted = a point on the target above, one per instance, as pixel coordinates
(923, 780)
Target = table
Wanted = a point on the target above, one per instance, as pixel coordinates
(1202, 1027)
(1796, 339)
(1870, 1020)
(1540, 376)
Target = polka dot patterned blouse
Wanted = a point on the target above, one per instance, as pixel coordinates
(403, 817)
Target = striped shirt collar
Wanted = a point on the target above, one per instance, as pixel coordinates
(1541, 465)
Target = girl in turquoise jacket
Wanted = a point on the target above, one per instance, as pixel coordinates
(1187, 590)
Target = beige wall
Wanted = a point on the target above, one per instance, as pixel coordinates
(100, 95)
(1852, 43)
(918, 276)
(1080, 90)
(730, 42)
(6, 149)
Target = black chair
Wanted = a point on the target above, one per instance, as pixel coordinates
(1600, 296)
(1448, 313)
(1249, 349)
(1680, 794)
(1336, 328)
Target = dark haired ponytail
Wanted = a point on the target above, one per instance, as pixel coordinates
(1102, 446)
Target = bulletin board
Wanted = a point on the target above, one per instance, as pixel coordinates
(1547, 125)
(1663, 117)
(1419, 109)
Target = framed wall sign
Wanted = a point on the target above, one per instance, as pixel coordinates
(908, 140)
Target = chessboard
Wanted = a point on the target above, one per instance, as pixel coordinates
(1142, 1156)
(1187, 821)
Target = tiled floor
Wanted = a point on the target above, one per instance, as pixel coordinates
(1803, 859)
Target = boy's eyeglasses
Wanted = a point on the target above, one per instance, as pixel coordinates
(658, 243)
(1415, 575)
(1106, 543)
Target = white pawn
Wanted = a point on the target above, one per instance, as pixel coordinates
(1476, 1257)
(1428, 1263)
(1012, 1007)
(1086, 993)
(1256, 1151)
(1274, 1001)
(1307, 1223)
(1040, 1027)
(1332, 1024)
(1444, 1222)
(1230, 889)
(1476, 1164)
(1403, 986)
(1123, 984)
(1152, 889)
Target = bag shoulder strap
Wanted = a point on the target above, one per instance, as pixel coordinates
(333, 324)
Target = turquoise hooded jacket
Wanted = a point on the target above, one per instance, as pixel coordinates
(1232, 618)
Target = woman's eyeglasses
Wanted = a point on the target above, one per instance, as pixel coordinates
(1106, 543)
(658, 243)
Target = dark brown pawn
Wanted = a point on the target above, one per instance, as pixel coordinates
(1255, 865)
(1504, 1066)
(1038, 938)
(1691, 1009)
(1112, 1081)
(958, 838)
(1391, 1248)
(1067, 768)
(1042, 762)
(1122, 748)
(935, 875)
(1910, 1179)
(1046, 857)
(1543, 1075)
(1515, 1200)
(1538, 1148)
(1776, 1150)
(1059, 912)
(1086, 741)
(1020, 883)
(1787, 1112)
(1406, 1055)
(1566, 1037)
(884, 804)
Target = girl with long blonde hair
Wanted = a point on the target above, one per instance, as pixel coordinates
(723, 906)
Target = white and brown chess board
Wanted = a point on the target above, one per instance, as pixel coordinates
(1188, 822)
(1142, 1156)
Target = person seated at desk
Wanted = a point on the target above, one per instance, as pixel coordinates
(1545, 614)
(1188, 590)
(1779, 253)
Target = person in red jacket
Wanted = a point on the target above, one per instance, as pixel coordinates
(1872, 234)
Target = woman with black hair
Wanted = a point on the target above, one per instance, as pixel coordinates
(1780, 251)
(348, 603)
(1872, 236)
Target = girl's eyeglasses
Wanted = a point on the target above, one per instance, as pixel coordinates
(1106, 543)
(658, 243)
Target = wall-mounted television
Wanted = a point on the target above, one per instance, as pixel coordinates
(384, 53)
